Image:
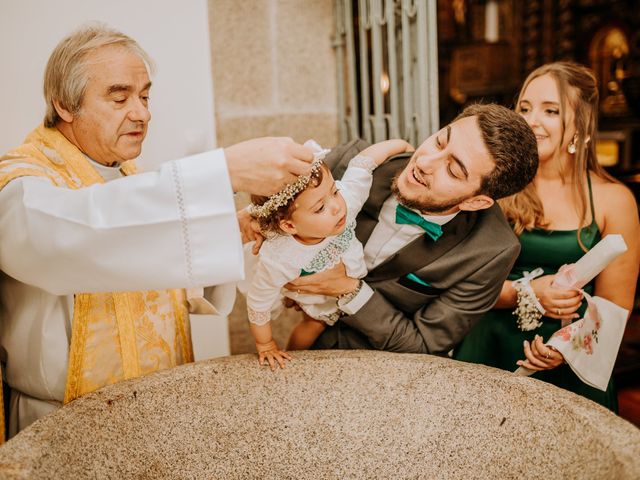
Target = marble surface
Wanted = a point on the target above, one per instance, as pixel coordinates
(351, 414)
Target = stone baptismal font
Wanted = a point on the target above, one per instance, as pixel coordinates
(328, 414)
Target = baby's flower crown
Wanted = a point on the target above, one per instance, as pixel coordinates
(284, 196)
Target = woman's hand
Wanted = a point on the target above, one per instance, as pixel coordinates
(540, 356)
(559, 304)
(333, 282)
(249, 229)
(269, 353)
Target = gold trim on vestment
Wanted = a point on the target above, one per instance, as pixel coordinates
(181, 313)
(126, 329)
(81, 310)
(21, 172)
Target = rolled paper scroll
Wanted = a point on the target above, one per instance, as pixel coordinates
(578, 274)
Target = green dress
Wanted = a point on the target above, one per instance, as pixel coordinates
(496, 339)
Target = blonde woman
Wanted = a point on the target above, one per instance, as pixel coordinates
(570, 205)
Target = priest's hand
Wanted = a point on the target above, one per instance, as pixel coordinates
(263, 166)
(250, 230)
(333, 282)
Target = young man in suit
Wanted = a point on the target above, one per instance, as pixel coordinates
(437, 246)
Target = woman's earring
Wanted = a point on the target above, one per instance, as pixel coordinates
(571, 148)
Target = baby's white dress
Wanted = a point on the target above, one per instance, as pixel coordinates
(283, 258)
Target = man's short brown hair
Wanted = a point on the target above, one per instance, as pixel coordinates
(512, 146)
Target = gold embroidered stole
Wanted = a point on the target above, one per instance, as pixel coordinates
(115, 336)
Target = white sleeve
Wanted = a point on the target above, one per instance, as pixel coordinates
(222, 297)
(168, 229)
(268, 279)
(356, 183)
(356, 303)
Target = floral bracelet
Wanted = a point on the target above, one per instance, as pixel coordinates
(529, 310)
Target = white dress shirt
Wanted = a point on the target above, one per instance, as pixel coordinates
(386, 239)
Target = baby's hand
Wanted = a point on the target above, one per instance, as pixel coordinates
(269, 353)
(249, 229)
(383, 150)
(289, 303)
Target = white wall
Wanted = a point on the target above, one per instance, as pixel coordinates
(175, 33)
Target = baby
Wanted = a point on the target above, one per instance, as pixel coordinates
(309, 227)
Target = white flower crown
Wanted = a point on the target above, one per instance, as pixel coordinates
(285, 195)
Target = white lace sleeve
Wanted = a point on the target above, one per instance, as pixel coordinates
(258, 318)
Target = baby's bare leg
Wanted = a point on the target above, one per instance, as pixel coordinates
(305, 333)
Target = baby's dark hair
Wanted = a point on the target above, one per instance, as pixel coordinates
(271, 223)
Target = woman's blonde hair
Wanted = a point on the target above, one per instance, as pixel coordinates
(577, 88)
(66, 78)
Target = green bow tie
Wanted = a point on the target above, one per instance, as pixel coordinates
(409, 217)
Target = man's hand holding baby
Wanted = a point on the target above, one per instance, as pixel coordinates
(333, 282)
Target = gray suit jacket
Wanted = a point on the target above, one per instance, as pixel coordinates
(465, 270)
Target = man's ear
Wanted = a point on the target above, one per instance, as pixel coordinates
(477, 202)
(63, 113)
(287, 226)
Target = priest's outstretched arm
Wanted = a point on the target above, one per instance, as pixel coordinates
(173, 228)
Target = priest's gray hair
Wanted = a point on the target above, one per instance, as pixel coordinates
(66, 78)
